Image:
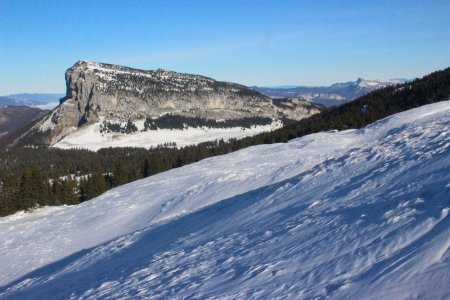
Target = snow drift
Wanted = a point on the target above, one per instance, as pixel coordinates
(346, 215)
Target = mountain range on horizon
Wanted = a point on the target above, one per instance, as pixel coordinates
(332, 95)
(359, 80)
(38, 100)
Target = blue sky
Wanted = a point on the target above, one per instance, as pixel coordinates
(250, 42)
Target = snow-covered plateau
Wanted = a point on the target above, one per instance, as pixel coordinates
(90, 137)
(358, 214)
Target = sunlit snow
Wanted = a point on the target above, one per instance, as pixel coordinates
(90, 137)
(359, 214)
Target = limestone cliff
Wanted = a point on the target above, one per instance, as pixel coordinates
(99, 91)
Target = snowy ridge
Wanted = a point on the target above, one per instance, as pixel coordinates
(335, 94)
(346, 215)
(372, 84)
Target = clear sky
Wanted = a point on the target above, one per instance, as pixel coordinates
(264, 43)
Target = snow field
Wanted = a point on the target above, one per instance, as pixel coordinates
(91, 138)
(358, 214)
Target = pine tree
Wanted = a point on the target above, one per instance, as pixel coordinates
(94, 186)
(57, 193)
(70, 191)
(40, 186)
(27, 198)
(146, 169)
(9, 192)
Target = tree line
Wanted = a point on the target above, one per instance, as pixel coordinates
(169, 121)
(126, 128)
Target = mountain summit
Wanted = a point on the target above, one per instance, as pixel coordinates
(96, 90)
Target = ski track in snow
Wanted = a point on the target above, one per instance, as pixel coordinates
(358, 214)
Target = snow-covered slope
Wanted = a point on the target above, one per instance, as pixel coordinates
(359, 214)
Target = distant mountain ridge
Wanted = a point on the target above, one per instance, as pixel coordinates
(333, 95)
(39, 100)
(15, 120)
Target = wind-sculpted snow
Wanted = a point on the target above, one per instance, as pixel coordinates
(359, 214)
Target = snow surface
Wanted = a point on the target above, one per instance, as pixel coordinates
(90, 137)
(358, 214)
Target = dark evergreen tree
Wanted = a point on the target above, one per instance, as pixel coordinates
(70, 191)
(9, 192)
(146, 169)
(57, 192)
(27, 198)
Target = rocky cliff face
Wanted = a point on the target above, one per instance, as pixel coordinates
(98, 91)
(295, 108)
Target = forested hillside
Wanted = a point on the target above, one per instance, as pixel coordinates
(39, 176)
